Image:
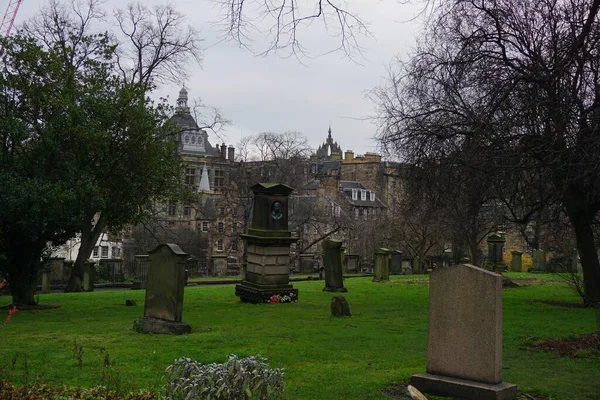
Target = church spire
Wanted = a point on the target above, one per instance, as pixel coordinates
(182, 101)
(329, 136)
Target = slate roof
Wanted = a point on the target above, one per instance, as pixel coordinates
(312, 185)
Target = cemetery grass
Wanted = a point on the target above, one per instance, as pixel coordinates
(323, 357)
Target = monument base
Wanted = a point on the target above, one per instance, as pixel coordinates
(253, 293)
(154, 325)
(471, 390)
(332, 289)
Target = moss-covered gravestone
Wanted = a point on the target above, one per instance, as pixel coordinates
(396, 262)
(516, 264)
(267, 274)
(539, 261)
(332, 262)
(382, 265)
(163, 308)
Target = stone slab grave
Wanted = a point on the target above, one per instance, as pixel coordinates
(464, 351)
(267, 272)
(165, 283)
(382, 265)
(332, 262)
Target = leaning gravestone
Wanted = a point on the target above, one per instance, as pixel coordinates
(163, 308)
(339, 307)
(382, 267)
(332, 262)
(464, 353)
(267, 247)
(516, 264)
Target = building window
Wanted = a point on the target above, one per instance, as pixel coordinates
(234, 227)
(356, 213)
(372, 196)
(190, 176)
(204, 226)
(220, 245)
(234, 245)
(361, 212)
(220, 227)
(104, 253)
(219, 178)
(338, 211)
(363, 195)
(366, 214)
(354, 194)
(222, 211)
(186, 210)
(95, 252)
(172, 208)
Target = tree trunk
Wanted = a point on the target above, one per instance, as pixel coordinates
(23, 277)
(584, 235)
(89, 237)
(23, 292)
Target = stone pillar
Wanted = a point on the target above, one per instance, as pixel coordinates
(163, 308)
(516, 264)
(464, 346)
(89, 274)
(267, 244)
(46, 280)
(382, 272)
(332, 262)
(539, 261)
(495, 246)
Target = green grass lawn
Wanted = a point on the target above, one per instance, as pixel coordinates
(324, 357)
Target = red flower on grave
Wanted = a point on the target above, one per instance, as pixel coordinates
(274, 299)
(10, 313)
(3, 283)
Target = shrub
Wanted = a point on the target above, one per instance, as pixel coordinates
(237, 379)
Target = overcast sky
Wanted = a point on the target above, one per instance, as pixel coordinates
(273, 94)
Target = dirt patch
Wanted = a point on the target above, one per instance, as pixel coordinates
(560, 303)
(35, 307)
(581, 346)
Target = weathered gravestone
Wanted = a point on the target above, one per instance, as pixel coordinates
(46, 280)
(140, 271)
(382, 268)
(339, 307)
(307, 262)
(163, 308)
(268, 241)
(516, 264)
(219, 264)
(332, 262)
(539, 261)
(464, 352)
(495, 249)
(351, 262)
(396, 262)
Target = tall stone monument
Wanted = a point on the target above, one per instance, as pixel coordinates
(163, 308)
(464, 352)
(268, 243)
(382, 265)
(332, 262)
(495, 248)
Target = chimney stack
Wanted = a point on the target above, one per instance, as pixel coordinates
(223, 152)
(230, 153)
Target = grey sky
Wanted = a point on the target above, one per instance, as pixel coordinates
(261, 94)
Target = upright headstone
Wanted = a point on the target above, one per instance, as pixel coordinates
(89, 273)
(382, 271)
(464, 353)
(539, 261)
(332, 262)
(351, 262)
(396, 262)
(219, 263)
(140, 268)
(57, 270)
(307, 262)
(267, 247)
(495, 249)
(46, 280)
(516, 264)
(163, 308)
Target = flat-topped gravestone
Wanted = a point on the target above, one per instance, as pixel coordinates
(539, 261)
(268, 241)
(165, 283)
(332, 262)
(351, 262)
(382, 265)
(516, 263)
(396, 262)
(464, 352)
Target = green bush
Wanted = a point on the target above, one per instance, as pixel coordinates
(237, 379)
